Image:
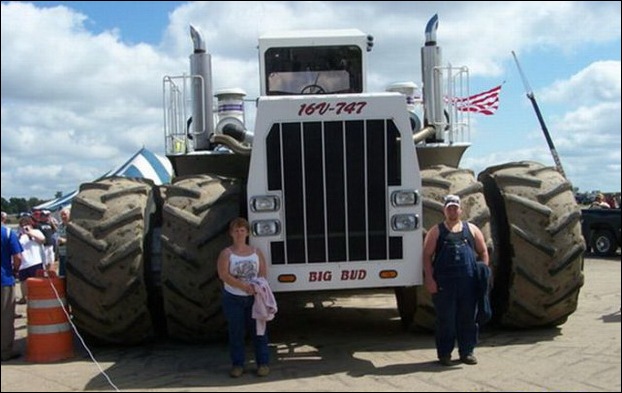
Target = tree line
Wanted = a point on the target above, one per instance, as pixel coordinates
(18, 205)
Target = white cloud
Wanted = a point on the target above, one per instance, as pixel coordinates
(598, 82)
(72, 98)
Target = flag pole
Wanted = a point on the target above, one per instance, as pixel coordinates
(545, 130)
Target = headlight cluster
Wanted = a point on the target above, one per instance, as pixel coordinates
(266, 227)
(264, 204)
(267, 203)
(404, 222)
(404, 198)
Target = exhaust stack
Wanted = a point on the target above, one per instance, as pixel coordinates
(431, 56)
(202, 101)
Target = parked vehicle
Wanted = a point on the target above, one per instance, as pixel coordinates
(601, 230)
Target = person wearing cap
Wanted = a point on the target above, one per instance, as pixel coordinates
(450, 252)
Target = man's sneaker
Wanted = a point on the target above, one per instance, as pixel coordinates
(445, 360)
(263, 370)
(236, 372)
(468, 359)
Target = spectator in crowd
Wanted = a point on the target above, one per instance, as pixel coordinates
(33, 255)
(11, 260)
(44, 223)
(599, 202)
(61, 239)
(611, 201)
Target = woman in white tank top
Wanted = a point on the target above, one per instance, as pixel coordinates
(238, 264)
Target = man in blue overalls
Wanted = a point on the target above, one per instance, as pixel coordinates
(449, 263)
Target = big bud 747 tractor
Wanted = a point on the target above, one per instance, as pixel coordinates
(338, 184)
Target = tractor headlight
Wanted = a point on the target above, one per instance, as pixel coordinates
(404, 222)
(266, 227)
(404, 198)
(266, 203)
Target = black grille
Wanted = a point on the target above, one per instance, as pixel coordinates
(334, 177)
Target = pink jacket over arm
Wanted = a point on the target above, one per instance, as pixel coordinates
(264, 307)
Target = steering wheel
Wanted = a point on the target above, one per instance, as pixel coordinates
(313, 89)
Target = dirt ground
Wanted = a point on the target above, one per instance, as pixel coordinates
(355, 343)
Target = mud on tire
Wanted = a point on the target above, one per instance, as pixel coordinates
(107, 235)
(195, 218)
(539, 261)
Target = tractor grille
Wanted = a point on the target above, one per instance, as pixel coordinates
(334, 177)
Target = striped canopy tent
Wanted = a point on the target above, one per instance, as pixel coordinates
(143, 164)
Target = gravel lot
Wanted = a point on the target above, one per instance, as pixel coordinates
(355, 343)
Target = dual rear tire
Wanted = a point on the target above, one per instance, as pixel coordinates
(531, 223)
(120, 288)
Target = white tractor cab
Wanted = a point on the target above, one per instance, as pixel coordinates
(314, 62)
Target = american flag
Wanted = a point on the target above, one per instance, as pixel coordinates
(485, 103)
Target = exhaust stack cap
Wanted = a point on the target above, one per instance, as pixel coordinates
(197, 40)
(430, 31)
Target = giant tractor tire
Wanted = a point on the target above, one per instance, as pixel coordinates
(438, 181)
(195, 218)
(536, 221)
(110, 226)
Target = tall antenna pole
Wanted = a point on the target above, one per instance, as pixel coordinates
(532, 98)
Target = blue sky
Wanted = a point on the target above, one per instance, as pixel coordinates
(82, 81)
(136, 21)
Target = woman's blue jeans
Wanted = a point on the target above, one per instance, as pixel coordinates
(238, 312)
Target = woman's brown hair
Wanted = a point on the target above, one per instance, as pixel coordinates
(239, 222)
